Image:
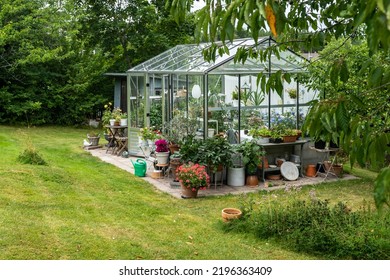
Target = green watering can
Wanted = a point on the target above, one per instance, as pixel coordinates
(139, 167)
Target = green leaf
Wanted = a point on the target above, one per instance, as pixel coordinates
(344, 73)
(376, 77)
(382, 189)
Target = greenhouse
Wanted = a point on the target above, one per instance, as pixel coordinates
(219, 96)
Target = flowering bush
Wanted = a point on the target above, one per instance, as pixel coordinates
(193, 176)
(161, 145)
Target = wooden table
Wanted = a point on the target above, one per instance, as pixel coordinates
(275, 146)
(118, 140)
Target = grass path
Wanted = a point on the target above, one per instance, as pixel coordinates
(78, 207)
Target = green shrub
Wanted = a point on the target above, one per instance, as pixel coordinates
(316, 227)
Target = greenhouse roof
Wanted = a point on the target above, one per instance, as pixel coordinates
(188, 59)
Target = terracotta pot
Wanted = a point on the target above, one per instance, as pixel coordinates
(174, 148)
(252, 181)
(327, 164)
(266, 165)
(229, 214)
(287, 139)
(188, 193)
(274, 176)
(337, 169)
(311, 170)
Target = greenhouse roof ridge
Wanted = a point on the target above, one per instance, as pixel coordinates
(189, 59)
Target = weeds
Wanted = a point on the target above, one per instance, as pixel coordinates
(30, 155)
(315, 226)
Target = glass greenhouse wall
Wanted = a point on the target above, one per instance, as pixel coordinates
(217, 96)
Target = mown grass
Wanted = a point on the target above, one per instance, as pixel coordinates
(78, 207)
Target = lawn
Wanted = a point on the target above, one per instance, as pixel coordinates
(78, 207)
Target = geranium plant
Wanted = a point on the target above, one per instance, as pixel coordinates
(161, 146)
(193, 176)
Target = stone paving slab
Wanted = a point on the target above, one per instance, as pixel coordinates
(167, 185)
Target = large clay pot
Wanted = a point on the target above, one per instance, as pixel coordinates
(252, 181)
(188, 193)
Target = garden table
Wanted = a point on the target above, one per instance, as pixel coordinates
(119, 138)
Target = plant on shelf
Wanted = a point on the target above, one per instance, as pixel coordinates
(193, 176)
(260, 132)
(117, 115)
(276, 135)
(216, 152)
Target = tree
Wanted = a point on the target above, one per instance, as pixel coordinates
(54, 53)
(310, 25)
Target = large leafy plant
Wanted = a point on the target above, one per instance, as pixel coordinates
(216, 151)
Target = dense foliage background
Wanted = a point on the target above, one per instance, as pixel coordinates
(53, 54)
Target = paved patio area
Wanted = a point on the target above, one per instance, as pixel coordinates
(167, 184)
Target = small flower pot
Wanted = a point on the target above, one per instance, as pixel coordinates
(311, 170)
(229, 214)
(252, 181)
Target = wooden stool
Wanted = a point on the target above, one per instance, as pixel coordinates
(162, 167)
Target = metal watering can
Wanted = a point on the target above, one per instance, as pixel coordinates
(139, 167)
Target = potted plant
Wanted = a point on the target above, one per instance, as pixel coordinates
(117, 115)
(262, 134)
(178, 128)
(251, 153)
(189, 149)
(236, 171)
(123, 121)
(290, 135)
(192, 177)
(93, 138)
(147, 134)
(174, 163)
(216, 152)
(276, 135)
(162, 151)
